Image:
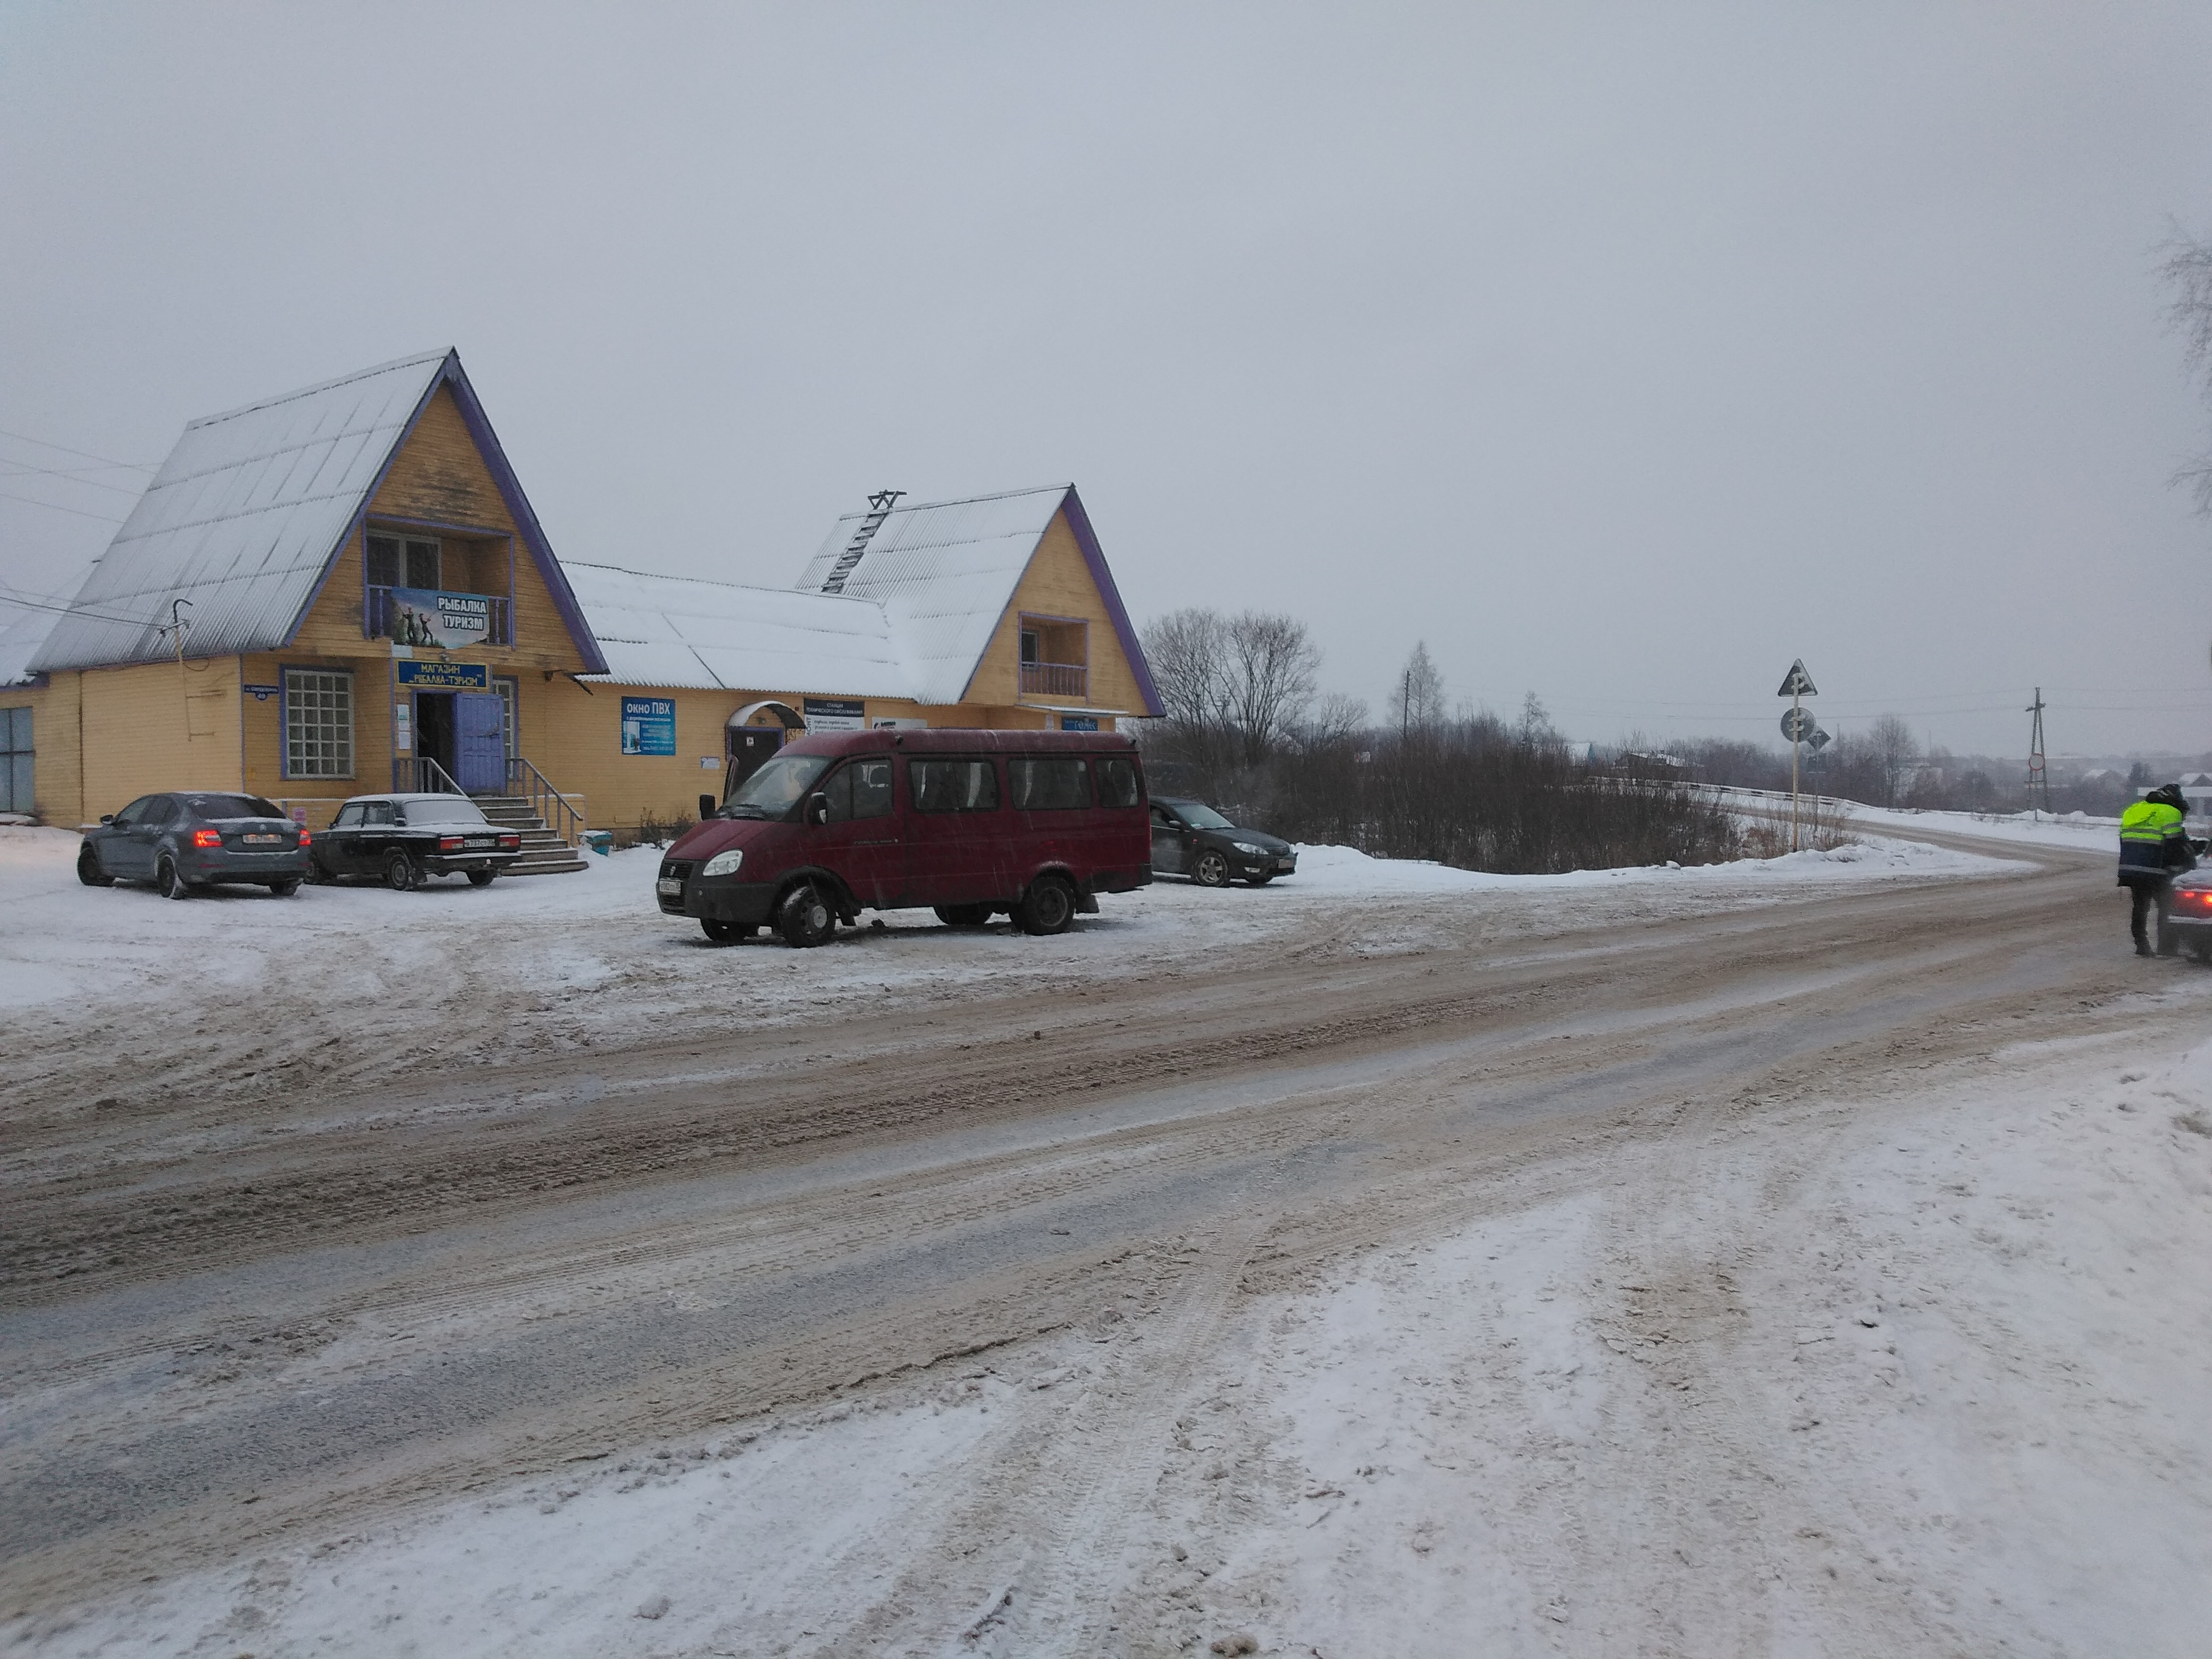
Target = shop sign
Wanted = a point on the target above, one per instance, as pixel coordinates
(648, 726)
(422, 615)
(445, 676)
(834, 714)
(1078, 722)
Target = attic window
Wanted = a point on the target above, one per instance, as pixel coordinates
(1032, 645)
(403, 562)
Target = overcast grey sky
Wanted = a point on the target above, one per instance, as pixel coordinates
(1621, 353)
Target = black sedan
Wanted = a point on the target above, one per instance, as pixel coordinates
(401, 839)
(195, 838)
(1189, 838)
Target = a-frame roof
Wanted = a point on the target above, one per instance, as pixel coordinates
(249, 513)
(945, 573)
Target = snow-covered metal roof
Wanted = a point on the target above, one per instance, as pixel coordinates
(22, 631)
(241, 522)
(681, 632)
(250, 509)
(944, 572)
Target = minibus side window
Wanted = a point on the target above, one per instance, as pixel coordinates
(953, 785)
(872, 789)
(1117, 781)
(1044, 783)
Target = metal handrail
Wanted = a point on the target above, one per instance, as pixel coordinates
(420, 774)
(525, 780)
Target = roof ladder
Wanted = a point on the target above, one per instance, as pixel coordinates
(879, 508)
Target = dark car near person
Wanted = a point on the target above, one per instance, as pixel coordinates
(400, 839)
(1189, 838)
(188, 839)
(2189, 918)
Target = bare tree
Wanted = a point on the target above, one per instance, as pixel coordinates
(1270, 668)
(2188, 272)
(1417, 702)
(1335, 717)
(1896, 755)
(1189, 655)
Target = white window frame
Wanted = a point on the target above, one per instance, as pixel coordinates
(404, 537)
(318, 734)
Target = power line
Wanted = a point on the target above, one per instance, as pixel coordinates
(25, 437)
(69, 609)
(33, 501)
(75, 474)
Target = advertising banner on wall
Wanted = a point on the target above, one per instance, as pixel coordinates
(834, 714)
(421, 616)
(648, 726)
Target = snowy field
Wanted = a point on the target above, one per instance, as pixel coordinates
(584, 958)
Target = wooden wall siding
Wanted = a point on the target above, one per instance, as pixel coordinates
(580, 744)
(143, 730)
(1056, 584)
(58, 771)
(439, 476)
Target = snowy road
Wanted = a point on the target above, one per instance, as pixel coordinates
(960, 1255)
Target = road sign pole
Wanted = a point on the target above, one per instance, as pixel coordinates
(1796, 746)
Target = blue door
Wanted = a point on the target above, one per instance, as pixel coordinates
(480, 743)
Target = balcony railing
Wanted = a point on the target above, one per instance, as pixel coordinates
(1056, 679)
(377, 616)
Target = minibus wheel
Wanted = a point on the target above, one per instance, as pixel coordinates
(963, 915)
(726, 932)
(805, 918)
(1049, 907)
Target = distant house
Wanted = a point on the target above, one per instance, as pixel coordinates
(2197, 790)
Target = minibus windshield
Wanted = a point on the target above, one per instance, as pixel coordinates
(776, 788)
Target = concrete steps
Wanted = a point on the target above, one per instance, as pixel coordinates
(543, 853)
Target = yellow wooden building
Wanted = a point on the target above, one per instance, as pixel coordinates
(345, 591)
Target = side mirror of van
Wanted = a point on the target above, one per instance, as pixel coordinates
(706, 805)
(817, 808)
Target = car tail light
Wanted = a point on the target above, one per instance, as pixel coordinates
(510, 841)
(207, 838)
(304, 836)
(451, 843)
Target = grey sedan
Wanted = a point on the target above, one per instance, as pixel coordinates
(194, 838)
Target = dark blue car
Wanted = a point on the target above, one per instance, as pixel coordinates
(194, 838)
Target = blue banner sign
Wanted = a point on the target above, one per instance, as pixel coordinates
(445, 676)
(648, 726)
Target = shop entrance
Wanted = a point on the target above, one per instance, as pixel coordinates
(434, 727)
(466, 732)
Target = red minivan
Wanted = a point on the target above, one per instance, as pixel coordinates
(1030, 824)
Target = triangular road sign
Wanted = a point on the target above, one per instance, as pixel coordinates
(1797, 682)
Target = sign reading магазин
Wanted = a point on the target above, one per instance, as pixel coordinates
(834, 714)
(422, 615)
(445, 676)
(648, 726)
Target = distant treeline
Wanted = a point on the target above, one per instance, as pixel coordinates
(1245, 731)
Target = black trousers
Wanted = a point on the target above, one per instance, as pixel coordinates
(2142, 897)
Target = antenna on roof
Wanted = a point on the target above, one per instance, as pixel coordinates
(879, 508)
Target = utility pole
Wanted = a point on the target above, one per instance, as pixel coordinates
(2038, 775)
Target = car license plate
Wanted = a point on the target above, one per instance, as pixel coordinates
(670, 886)
(261, 840)
(478, 841)
(1286, 864)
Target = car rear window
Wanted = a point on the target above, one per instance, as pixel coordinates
(233, 806)
(1045, 783)
(953, 785)
(446, 809)
(1117, 781)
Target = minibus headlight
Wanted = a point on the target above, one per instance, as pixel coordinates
(725, 864)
